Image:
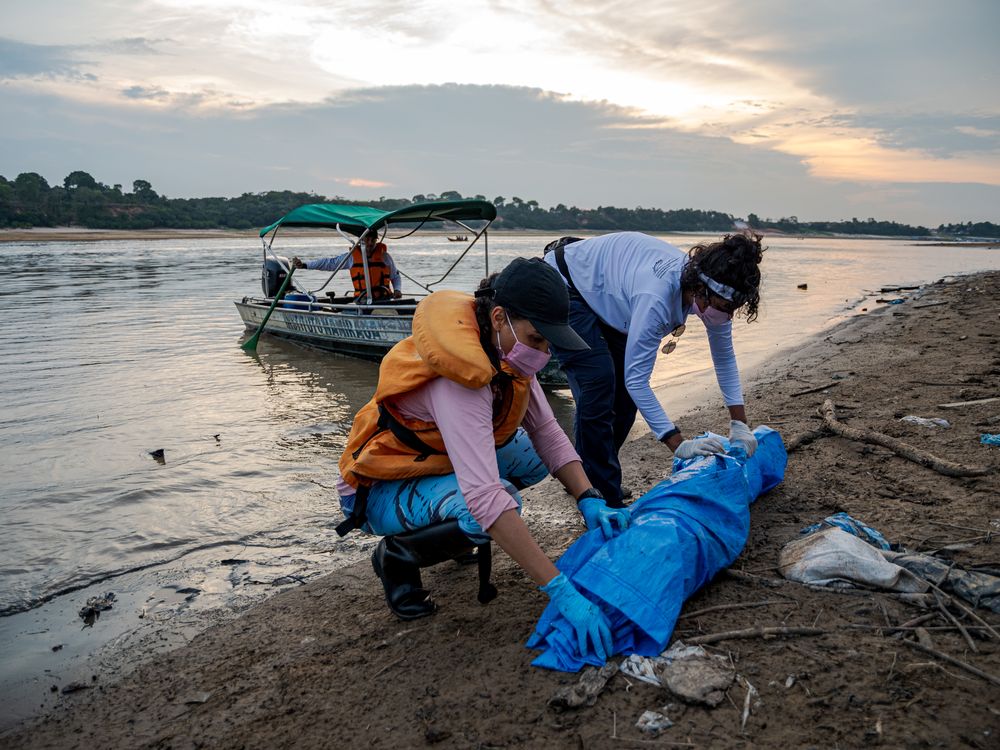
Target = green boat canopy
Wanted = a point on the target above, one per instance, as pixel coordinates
(356, 219)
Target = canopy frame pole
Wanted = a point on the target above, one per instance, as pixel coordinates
(364, 262)
(464, 253)
(415, 229)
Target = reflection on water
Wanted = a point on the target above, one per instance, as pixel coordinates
(116, 349)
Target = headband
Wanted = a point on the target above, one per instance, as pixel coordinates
(726, 292)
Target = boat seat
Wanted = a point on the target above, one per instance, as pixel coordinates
(335, 300)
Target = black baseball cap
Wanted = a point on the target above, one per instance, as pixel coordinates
(531, 288)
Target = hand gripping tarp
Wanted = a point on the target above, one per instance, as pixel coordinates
(683, 532)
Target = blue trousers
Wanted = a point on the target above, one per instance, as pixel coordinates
(605, 411)
(398, 505)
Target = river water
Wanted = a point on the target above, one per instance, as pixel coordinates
(115, 349)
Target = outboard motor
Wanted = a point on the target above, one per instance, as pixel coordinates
(273, 275)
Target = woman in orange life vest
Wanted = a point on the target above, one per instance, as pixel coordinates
(435, 460)
(386, 282)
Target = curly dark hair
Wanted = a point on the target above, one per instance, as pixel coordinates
(734, 261)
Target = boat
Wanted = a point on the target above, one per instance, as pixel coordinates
(458, 238)
(358, 326)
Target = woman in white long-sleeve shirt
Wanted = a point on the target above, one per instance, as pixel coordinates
(629, 291)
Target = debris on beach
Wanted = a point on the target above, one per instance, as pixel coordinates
(751, 702)
(584, 693)
(837, 558)
(977, 588)
(694, 675)
(851, 525)
(987, 439)
(197, 697)
(894, 301)
(642, 668)
(926, 421)
(802, 286)
(653, 722)
(901, 449)
(841, 551)
(91, 611)
(75, 687)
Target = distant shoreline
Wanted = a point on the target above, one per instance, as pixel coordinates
(81, 234)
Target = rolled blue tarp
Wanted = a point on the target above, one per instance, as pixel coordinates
(683, 532)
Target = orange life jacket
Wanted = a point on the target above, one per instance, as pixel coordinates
(445, 344)
(378, 271)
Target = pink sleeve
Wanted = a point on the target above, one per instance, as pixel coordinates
(465, 418)
(548, 438)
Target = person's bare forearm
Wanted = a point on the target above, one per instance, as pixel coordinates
(573, 478)
(738, 411)
(510, 532)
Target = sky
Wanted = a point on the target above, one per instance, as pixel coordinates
(820, 109)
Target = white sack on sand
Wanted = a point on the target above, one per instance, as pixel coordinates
(832, 557)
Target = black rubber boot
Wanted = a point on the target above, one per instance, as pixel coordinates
(398, 558)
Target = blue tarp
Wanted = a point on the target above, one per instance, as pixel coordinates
(683, 532)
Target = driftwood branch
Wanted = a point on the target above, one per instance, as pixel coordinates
(758, 632)
(960, 404)
(817, 389)
(952, 660)
(901, 449)
(750, 605)
(804, 438)
(955, 622)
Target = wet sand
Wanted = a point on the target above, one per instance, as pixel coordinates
(325, 665)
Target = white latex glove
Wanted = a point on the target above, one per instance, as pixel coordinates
(740, 433)
(701, 446)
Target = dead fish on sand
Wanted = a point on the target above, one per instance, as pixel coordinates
(91, 611)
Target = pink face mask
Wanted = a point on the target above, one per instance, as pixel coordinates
(711, 315)
(523, 358)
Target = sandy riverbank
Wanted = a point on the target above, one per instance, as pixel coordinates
(325, 665)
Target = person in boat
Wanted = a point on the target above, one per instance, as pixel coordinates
(629, 291)
(385, 277)
(457, 426)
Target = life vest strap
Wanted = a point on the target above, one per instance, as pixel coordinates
(359, 514)
(386, 421)
(405, 435)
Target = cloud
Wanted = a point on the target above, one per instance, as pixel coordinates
(145, 92)
(491, 140)
(136, 45)
(361, 182)
(943, 135)
(23, 60)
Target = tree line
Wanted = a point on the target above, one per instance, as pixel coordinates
(30, 201)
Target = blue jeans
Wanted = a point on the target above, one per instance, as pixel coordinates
(398, 505)
(605, 411)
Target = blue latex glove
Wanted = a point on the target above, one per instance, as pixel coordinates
(699, 446)
(739, 434)
(597, 514)
(584, 616)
